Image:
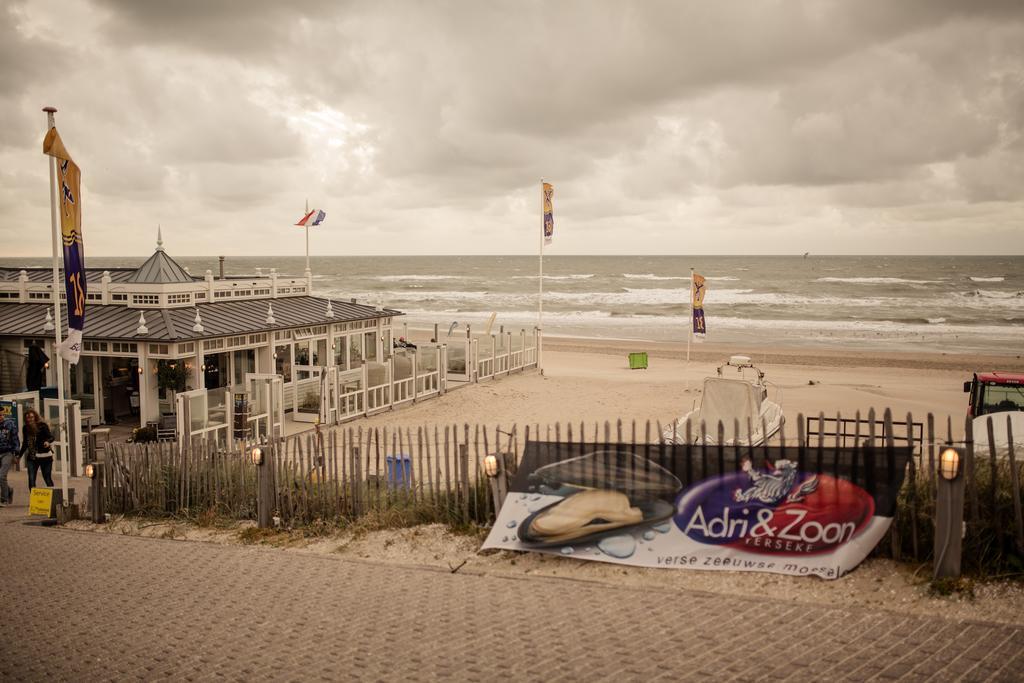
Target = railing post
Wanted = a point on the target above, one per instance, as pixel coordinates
(263, 458)
(415, 377)
(442, 368)
(522, 333)
(391, 381)
(366, 389)
(473, 360)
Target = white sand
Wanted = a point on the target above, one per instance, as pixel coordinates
(591, 381)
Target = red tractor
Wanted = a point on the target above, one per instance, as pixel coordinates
(997, 404)
(995, 392)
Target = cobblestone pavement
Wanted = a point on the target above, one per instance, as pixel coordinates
(84, 606)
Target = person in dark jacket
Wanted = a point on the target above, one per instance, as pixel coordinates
(36, 440)
(9, 447)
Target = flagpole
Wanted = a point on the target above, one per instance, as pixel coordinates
(540, 286)
(307, 238)
(689, 337)
(55, 233)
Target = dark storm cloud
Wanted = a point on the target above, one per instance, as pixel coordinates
(435, 121)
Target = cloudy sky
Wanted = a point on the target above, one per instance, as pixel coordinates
(666, 127)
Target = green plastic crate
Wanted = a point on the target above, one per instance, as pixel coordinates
(638, 361)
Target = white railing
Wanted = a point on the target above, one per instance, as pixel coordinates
(403, 391)
(351, 404)
(486, 368)
(308, 400)
(459, 361)
(427, 384)
(205, 415)
(378, 398)
(350, 395)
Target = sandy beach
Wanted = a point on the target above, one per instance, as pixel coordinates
(590, 380)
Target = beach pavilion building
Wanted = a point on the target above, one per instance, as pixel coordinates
(199, 355)
(227, 358)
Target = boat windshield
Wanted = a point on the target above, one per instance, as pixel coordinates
(728, 401)
(1001, 398)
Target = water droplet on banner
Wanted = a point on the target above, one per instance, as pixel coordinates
(512, 524)
(662, 528)
(620, 547)
(568, 550)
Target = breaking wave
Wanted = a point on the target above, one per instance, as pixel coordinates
(876, 280)
(581, 276)
(652, 276)
(400, 278)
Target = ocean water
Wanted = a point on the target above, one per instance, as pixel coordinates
(948, 303)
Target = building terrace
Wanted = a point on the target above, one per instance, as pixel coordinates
(228, 357)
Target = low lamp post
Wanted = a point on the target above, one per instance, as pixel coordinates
(92, 473)
(491, 470)
(265, 486)
(949, 513)
(491, 466)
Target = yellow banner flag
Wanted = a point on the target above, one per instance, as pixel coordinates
(69, 186)
(698, 289)
(549, 220)
(69, 180)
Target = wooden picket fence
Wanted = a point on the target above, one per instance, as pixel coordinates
(436, 474)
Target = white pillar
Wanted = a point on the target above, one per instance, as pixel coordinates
(105, 287)
(146, 385)
(197, 367)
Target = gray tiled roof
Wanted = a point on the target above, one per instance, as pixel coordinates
(92, 275)
(159, 269)
(221, 318)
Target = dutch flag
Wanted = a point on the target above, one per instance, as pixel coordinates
(314, 217)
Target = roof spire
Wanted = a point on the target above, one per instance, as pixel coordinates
(270, 314)
(48, 325)
(159, 238)
(198, 327)
(142, 329)
(330, 309)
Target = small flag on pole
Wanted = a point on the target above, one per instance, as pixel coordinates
(697, 291)
(69, 182)
(314, 217)
(549, 220)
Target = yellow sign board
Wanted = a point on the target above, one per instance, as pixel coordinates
(41, 502)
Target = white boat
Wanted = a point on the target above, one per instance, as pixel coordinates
(742, 401)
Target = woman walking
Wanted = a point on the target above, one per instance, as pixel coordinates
(36, 439)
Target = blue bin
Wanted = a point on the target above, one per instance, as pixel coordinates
(399, 470)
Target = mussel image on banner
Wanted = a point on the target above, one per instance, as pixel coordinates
(597, 493)
(798, 510)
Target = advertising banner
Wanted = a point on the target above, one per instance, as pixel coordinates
(802, 511)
